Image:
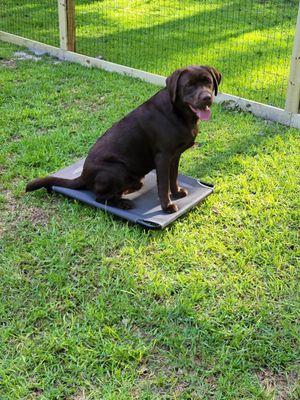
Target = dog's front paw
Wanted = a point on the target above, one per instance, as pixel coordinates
(170, 208)
(181, 192)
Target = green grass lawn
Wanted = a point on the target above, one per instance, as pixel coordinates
(94, 308)
(250, 41)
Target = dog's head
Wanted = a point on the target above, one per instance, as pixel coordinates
(194, 87)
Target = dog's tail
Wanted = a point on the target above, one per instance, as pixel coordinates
(50, 181)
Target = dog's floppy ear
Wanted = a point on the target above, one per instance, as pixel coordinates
(217, 76)
(172, 83)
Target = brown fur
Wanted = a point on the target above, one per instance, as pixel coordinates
(154, 135)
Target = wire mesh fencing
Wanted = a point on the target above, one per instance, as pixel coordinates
(249, 41)
(32, 19)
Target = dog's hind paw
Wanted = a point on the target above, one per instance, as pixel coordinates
(125, 204)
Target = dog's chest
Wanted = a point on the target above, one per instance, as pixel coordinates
(195, 132)
(189, 141)
(192, 136)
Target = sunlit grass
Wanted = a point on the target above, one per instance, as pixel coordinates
(249, 41)
(95, 308)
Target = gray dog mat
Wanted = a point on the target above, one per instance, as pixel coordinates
(147, 210)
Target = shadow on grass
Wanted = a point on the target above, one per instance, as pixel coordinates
(210, 37)
(88, 298)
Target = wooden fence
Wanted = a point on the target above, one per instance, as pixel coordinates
(67, 51)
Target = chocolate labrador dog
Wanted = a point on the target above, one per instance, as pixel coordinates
(154, 135)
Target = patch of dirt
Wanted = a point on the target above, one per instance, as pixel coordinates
(37, 393)
(159, 365)
(11, 64)
(2, 230)
(212, 381)
(15, 138)
(79, 396)
(16, 212)
(96, 106)
(19, 55)
(180, 388)
(279, 385)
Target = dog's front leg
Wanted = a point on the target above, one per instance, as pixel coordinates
(163, 164)
(176, 190)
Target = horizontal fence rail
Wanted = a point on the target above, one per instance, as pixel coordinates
(261, 110)
(252, 42)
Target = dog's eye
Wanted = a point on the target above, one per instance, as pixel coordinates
(207, 81)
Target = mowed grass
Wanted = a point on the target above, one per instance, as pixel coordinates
(95, 308)
(250, 41)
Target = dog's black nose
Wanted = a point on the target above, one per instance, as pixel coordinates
(206, 98)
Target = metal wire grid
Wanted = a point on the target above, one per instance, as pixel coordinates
(250, 41)
(33, 19)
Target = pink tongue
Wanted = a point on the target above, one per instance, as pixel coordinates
(204, 114)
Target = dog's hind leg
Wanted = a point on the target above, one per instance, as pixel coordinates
(134, 186)
(108, 190)
(116, 201)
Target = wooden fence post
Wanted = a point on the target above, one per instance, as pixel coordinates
(66, 18)
(292, 103)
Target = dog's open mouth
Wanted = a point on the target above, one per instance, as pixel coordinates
(203, 114)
